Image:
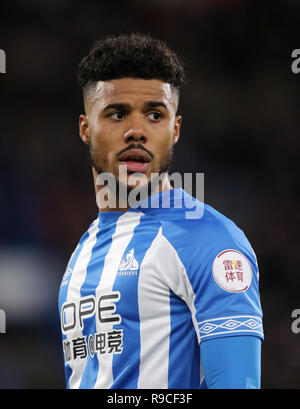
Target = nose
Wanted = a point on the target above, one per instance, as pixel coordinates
(135, 133)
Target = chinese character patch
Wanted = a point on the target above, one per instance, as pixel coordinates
(232, 271)
(103, 342)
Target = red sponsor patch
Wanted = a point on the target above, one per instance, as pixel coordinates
(232, 271)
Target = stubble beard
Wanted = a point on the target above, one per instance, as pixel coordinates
(153, 184)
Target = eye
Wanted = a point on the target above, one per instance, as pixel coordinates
(155, 116)
(117, 115)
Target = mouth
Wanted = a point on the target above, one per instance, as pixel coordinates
(136, 160)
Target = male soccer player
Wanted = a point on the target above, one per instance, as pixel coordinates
(152, 298)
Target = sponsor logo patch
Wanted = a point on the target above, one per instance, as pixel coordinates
(232, 271)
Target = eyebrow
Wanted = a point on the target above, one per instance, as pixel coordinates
(126, 107)
(120, 106)
(155, 104)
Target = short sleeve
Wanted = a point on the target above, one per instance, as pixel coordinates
(225, 281)
(213, 268)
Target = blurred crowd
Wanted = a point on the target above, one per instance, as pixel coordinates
(240, 128)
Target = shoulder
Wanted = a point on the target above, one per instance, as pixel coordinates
(201, 243)
(202, 227)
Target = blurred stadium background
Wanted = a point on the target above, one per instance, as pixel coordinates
(241, 128)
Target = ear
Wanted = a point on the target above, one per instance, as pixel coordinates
(176, 135)
(84, 129)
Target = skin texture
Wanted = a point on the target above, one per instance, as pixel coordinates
(134, 121)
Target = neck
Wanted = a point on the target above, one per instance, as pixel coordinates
(121, 198)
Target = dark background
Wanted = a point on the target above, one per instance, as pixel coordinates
(240, 127)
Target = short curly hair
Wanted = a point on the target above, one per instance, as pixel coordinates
(134, 55)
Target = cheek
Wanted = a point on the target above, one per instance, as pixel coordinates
(103, 148)
(162, 155)
(105, 155)
(169, 134)
(165, 143)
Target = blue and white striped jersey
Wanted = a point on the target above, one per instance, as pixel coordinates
(144, 287)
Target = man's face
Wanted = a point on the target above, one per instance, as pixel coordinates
(130, 122)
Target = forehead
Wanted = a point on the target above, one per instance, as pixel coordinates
(129, 90)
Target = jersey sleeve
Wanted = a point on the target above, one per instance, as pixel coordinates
(236, 365)
(216, 273)
(225, 285)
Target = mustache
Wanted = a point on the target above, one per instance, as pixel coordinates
(135, 146)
